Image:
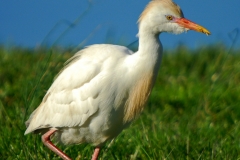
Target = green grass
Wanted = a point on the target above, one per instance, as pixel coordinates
(193, 111)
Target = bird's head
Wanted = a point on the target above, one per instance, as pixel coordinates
(166, 16)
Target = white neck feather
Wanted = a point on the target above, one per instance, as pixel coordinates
(145, 63)
(150, 47)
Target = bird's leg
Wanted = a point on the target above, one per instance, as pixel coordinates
(96, 153)
(47, 142)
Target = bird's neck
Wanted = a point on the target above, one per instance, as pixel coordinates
(145, 63)
(150, 48)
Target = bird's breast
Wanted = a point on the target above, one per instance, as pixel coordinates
(138, 96)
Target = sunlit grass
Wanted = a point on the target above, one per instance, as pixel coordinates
(193, 111)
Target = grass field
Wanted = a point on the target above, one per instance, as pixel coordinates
(193, 111)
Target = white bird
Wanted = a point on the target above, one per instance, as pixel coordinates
(104, 87)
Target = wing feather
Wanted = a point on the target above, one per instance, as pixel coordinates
(76, 94)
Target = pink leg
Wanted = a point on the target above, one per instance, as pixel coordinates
(46, 141)
(96, 153)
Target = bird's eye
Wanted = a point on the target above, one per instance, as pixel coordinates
(169, 17)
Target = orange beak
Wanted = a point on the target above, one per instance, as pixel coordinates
(191, 25)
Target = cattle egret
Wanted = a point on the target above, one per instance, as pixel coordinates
(104, 87)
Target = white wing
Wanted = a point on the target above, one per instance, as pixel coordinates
(84, 87)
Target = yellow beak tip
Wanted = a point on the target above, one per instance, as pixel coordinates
(205, 31)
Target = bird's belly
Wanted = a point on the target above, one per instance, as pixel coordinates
(99, 130)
